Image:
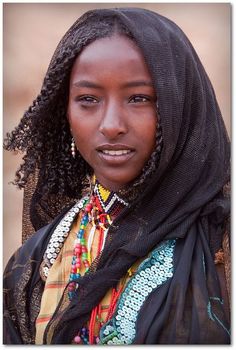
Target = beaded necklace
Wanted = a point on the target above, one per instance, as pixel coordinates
(103, 205)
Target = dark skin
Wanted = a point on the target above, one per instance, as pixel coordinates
(112, 110)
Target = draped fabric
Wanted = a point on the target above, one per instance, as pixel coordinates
(23, 288)
(184, 199)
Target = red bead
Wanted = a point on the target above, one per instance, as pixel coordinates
(78, 265)
(88, 207)
(77, 339)
(73, 269)
(71, 288)
(78, 250)
(86, 263)
(84, 249)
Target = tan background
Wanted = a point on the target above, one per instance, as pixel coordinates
(31, 33)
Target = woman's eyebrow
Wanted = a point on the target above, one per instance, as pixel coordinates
(129, 84)
(87, 84)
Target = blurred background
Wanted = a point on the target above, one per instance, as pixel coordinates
(31, 33)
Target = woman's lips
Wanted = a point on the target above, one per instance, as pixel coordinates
(116, 152)
(115, 156)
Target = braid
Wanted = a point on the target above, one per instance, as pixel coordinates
(43, 133)
(153, 161)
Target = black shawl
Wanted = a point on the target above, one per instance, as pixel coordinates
(184, 200)
(23, 287)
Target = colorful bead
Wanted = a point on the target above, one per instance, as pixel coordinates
(59, 235)
(98, 211)
(77, 339)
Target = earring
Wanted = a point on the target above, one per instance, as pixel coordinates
(73, 147)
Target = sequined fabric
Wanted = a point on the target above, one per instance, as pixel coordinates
(152, 273)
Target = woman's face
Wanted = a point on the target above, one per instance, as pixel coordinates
(112, 110)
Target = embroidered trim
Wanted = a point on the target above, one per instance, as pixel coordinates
(152, 273)
(110, 201)
(21, 304)
(213, 316)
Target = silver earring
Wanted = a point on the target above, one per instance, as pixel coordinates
(73, 147)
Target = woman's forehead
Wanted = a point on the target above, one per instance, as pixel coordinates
(111, 46)
(109, 55)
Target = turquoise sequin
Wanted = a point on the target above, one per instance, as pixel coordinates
(152, 273)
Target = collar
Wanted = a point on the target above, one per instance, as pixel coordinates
(107, 201)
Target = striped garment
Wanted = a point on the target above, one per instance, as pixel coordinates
(59, 276)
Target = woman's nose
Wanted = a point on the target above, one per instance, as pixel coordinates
(114, 122)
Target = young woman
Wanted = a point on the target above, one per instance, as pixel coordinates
(131, 156)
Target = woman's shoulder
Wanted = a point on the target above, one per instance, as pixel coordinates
(34, 246)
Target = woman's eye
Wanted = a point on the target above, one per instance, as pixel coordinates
(87, 100)
(139, 99)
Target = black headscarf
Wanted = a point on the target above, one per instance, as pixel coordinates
(184, 199)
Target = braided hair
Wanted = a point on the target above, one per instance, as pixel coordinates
(43, 133)
(183, 201)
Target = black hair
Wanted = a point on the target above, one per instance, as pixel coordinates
(183, 200)
(43, 133)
